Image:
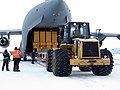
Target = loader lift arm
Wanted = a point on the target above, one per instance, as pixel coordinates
(101, 36)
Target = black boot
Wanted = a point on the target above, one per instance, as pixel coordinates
(2, 68)
(18, 70)
(7, 70)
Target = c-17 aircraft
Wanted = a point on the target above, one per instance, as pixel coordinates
(47, 16)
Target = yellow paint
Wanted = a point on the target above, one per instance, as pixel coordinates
(54, 36)
(85, 62)
(36, 45)
(36, 36)
(45, 39)
(42, 36)
(48, 36)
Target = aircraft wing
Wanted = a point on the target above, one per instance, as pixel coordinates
(101, 36)
(11, 32)
(5, 41)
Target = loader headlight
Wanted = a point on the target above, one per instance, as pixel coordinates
(105, 56)
(75, 57)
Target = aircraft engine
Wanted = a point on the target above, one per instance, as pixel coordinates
(4, 42)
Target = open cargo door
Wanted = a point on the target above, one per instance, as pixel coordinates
(45, 39)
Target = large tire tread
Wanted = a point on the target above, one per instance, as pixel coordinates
(104, 70)
(49, 60)
(61, 62)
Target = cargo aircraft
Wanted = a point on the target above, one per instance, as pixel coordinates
(43, 18)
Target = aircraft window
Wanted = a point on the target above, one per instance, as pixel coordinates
(36, 9)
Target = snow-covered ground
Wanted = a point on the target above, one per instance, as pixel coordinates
(35, 77)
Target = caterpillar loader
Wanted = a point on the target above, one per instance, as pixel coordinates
(77, 49)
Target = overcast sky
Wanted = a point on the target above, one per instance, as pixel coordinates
(102, 14)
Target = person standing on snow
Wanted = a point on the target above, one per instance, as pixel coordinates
(6, 59)
(34, 54)
(16, 58)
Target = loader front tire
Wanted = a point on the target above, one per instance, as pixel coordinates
(104, 70)
(61, 62)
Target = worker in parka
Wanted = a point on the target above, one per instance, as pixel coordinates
(6, 59)
(16, 58)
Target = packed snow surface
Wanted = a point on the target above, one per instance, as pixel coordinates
(35, 77)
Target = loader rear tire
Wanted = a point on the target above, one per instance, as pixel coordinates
(61, 62)
(104, 70)
(49, 60)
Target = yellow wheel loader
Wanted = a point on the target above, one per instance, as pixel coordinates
(70, 46)
(78, 49)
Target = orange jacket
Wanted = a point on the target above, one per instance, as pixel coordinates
(16, 54)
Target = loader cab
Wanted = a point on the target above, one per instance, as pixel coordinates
(76, 30)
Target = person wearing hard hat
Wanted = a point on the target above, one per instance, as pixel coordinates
(6, 59)
(16, 58)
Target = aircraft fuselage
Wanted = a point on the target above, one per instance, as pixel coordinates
(48, 15)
